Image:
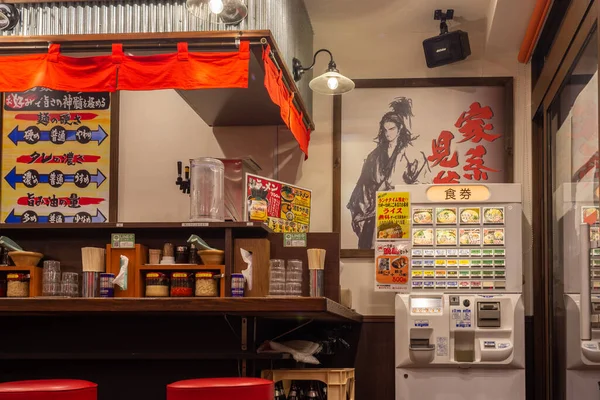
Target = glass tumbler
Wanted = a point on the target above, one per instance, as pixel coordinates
(293, 278)
(276, 278)
(293, 272)
(70, 284)
(51, 278)
(207, 181)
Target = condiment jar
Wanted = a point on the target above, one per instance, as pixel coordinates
(107, 286)
(3, 256)
(237, 285)
(194, 257)
(168, 254)
(206, 285)
(157, 284)
(168, 250)
(181, 255)
(182, 284)
(17, 285)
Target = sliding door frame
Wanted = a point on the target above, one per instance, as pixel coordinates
(573, 34)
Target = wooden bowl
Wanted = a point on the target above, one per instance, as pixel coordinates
(212, 257)
(25, 258)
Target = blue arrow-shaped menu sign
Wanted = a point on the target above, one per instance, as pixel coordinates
(31, 217)
(31, 178)
(58, 135)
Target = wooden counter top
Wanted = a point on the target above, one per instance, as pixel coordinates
(320, 308)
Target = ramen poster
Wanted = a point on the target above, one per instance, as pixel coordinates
(415, 135)
(393, 216)
(283, 207)
(392, 266)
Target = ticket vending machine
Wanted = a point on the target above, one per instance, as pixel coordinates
(459, 326)
(579, 343)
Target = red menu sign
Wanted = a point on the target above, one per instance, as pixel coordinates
(284, 207)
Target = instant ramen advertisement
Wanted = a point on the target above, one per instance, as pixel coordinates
(392, 264)
(393, 215)
(283, 207)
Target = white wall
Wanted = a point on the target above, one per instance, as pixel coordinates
(158, 128)
(378, 51)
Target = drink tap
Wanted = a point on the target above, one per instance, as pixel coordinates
(184, 184)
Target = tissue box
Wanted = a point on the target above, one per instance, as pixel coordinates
(261, 254)
(137, 256)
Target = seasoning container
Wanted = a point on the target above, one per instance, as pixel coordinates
(276, 278)
(70, 284)
(181, 255)
(206, 285)
(168, 254)
(182, 284)
(3, 256)
(157, 284)
(2, 287)
(17, 285)
(154, 256)
(107, 286)
(237, 285)
(194, 257)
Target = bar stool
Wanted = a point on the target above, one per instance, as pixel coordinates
(50, 389)
(221, 389)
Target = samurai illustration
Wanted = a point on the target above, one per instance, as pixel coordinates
(393, 161)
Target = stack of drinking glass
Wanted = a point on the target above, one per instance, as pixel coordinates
(285, 281)
(51, 278)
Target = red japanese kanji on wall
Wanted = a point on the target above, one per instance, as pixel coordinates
(475, 127)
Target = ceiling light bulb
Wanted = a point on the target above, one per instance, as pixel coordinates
(332, 83)
(216, 6)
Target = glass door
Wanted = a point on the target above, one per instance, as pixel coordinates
(572, 200)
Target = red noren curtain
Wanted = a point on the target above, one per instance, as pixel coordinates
(181, 70)
(58, 72)
(283, 98)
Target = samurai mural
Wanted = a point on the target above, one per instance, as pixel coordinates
(394, 161)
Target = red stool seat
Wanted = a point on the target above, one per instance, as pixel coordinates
(51, 389)
(221, 389)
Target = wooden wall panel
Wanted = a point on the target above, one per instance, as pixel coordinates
(328, 241)
(375, 359)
